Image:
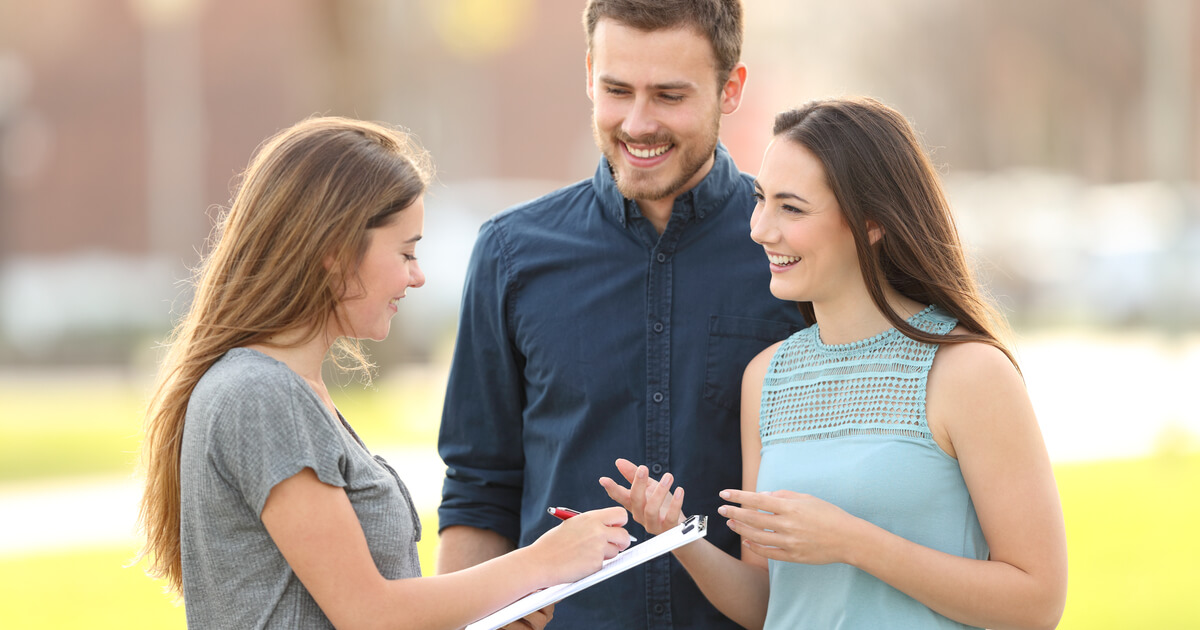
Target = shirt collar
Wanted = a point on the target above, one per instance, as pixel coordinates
(707, 197)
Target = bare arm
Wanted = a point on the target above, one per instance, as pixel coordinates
(317, 531)
(461, 547)
(980, 402)
(979, 412)
(737, 587)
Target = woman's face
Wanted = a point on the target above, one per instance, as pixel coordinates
(387, 270)
(798, 222)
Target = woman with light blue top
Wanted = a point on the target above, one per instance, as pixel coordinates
(894, 472)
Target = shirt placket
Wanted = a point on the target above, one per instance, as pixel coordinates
(659, 303)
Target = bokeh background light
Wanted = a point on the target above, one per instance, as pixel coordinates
(1067, 133)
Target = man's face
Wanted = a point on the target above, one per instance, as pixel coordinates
(656, 107)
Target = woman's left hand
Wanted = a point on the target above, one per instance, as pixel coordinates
(536, 620)
(789, 526)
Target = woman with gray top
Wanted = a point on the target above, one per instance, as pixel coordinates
(262, 507)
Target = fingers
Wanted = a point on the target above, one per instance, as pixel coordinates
(664, 505)
(533, 621)
(616, 492)
(612, 521)
(615, 516)
(658, 495)
(756, 535)
(764, 501)
(753, 518)
(637, 490)
(766, 551)
(675, 510)
(627, 469)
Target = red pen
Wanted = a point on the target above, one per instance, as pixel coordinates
(563, 514)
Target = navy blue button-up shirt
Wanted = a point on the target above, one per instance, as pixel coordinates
(586, 336)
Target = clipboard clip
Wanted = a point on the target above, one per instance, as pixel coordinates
(695, 521)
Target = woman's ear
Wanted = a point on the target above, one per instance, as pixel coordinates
(874, 231)
(337, 280)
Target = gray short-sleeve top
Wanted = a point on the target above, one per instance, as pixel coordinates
(251, 423)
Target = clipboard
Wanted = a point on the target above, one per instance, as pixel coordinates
(694, 527)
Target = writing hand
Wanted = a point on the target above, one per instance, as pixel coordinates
(789, 526)
(651, 503)
(579, 545)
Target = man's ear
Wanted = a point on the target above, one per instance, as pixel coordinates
(874, 231)
(731, 92)
(590, 89)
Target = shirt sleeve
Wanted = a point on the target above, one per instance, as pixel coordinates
(267, 430)
(481, 432)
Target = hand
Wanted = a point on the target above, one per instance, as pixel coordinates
(786, 525)
(534, 621)
(579, 545)
(651, 503)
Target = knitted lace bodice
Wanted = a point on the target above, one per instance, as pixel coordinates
(873, 386)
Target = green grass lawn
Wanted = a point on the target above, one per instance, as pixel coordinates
(96, 589)
(1131, 536)
(96, 428)
(1134, 555)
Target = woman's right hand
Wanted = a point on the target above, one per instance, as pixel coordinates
(578, 546)
(650, 502)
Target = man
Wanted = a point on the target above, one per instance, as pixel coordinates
(614, 317)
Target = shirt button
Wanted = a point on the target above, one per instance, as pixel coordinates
(656, 469)
(659, 609)
(658, 397)
(661, 257)
(658, 327)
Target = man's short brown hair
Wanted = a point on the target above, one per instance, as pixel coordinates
(718, 20)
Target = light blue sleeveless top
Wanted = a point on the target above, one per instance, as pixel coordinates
(846, 423)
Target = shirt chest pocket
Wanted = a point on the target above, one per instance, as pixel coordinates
(732, 343)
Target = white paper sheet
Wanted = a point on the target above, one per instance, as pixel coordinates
(693, 528)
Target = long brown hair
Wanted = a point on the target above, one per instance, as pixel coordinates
(303, 207)
(878, 172)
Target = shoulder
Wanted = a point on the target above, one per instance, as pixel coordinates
(241, 371)
(244, 384)
(972, 364)
(973, 388)
(534, 220)
(756, 370)
(738, 195)
(549, 205)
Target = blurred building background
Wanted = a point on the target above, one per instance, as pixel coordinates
(1068, 133)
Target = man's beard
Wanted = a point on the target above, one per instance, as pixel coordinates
(642, 185)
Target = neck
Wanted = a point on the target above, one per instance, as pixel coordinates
(854, 316)
(658, 212)
(302, 353)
